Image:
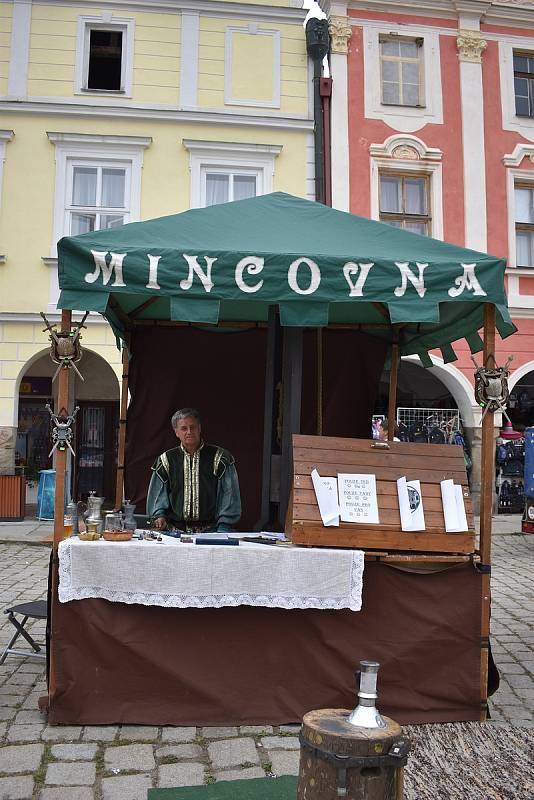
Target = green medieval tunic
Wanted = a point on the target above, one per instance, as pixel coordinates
(195, 493)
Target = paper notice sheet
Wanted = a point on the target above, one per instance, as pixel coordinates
(452, 497)
(326, 494)
(411, 505)
(357, 498)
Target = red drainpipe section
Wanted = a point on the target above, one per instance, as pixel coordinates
(325, 90)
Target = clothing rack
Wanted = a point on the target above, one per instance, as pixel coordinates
(429, 416)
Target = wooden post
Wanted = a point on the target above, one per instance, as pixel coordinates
(319, 381)
(392, 401)
(487, 481)
(61, 455)
(59, 509)
(122, 429)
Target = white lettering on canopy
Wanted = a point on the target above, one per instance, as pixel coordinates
(315, 276)
(467, 281)
(253, 265)
(349, 270)
(101, 266)
(195, 268)
(153, 272)
(417, 281)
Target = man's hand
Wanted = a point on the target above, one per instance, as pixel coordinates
(160, 523)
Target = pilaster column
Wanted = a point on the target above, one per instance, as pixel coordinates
(470, 48)
(340, 32)
(20, 49)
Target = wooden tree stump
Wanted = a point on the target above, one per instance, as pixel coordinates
(326, 733)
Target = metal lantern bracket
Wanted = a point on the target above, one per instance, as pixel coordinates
(62, 430)
(491, 387)
(65, 347)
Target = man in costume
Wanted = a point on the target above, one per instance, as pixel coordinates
(194, 487)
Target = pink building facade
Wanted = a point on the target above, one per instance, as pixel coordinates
(433, 131)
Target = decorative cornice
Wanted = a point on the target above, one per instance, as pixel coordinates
(470, 46)
(214, 8)
(405, 146)
(105, 111)
(340, 31)
(520, 152)
(6, 136)
(91, 138)
(206, 146)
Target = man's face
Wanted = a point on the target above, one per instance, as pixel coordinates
(188, 432)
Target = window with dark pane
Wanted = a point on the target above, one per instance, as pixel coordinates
(524, 225)
(105, 60)
(524, 84)
(401, 70)
(404, 202)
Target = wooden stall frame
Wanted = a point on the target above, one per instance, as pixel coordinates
(486, 496)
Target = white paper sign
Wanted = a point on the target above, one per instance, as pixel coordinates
(411, 505)
(452, 498)
(326, 494)
(460, 507)
(357, 498)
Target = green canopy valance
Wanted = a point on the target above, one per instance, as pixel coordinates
(320, 266)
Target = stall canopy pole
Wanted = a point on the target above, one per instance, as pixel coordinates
(486, 507)
(291, 403)
(122, 429)
(392, 402)
(488, 455)
(61, 455)
(59, 501)
(268, 420)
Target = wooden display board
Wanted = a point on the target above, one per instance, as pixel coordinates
(429, 463)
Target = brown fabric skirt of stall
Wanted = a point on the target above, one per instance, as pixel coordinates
(118, 663)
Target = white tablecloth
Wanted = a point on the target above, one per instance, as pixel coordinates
(200, 576)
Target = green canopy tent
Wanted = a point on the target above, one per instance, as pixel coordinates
(282, 258)
(318, 267)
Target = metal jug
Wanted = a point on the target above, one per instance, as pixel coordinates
(129, 519)
(94, 511)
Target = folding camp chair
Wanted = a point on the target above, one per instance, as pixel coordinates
(36, 609)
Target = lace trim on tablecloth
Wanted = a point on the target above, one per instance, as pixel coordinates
(67, 592)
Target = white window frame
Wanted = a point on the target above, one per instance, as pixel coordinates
(106, 22)
(228, 46)
(513, 178)
(76, 149)
(510, 121)
(381, 166)
(402, 118)
(229, 157)
(5, 137)
(420, 61)
(229, 171)
(97, 164)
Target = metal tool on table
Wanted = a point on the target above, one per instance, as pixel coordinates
(93, 516)
(352, 754)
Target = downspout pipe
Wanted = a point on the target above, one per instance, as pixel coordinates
(317, 46)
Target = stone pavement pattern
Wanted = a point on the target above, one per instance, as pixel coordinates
(39, 762)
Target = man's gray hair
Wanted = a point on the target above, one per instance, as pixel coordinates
(182, 413)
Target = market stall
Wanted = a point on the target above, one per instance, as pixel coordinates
(257, 293)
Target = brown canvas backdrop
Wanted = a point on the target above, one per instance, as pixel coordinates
(223, 375)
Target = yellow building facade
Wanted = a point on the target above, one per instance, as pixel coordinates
(114, 116)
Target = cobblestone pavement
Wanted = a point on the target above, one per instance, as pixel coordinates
(38, 762)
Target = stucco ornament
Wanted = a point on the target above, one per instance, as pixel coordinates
(340, 31)
(405, 151)
(470, 46)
